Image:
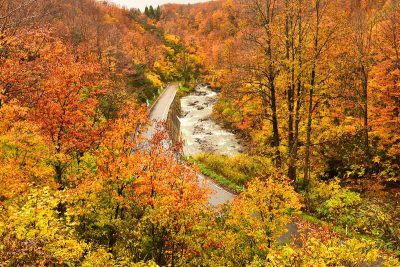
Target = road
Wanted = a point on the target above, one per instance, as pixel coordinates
(158, 113)
(159, 110)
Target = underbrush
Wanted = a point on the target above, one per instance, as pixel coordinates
(353, 214)
(326, 202)
(185, 89)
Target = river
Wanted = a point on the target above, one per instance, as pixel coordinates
(201, 134)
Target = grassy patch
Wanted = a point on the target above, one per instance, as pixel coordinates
(238, 169)
(184, 90)
(231, 172)
(220, 179)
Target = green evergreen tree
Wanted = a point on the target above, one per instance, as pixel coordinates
(146, 11)
(158, 13)
(152, 14)
(134, 13)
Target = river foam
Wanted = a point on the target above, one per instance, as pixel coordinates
(200, 133)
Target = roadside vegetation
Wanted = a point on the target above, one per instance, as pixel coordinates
(326, 203)
(239, 169)
(185, 89)
(228, 183)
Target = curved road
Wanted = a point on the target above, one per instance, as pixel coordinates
(160, 108)
(158, 113)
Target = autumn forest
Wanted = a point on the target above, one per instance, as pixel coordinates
(224, 133)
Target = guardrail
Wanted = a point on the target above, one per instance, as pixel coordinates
(173, 122)
(174, 112)
(164, 88)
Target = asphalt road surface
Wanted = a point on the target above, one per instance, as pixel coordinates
(158, 113)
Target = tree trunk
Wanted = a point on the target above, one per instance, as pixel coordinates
(299, 93)
(271, 80)
(59, 172)
(310, 100)
(290, 92)
(309, 125)
(364, 78)
(275, 128)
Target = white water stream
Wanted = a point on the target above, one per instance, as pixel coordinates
(200, 133)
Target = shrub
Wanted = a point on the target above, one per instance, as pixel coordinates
(333, 202)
